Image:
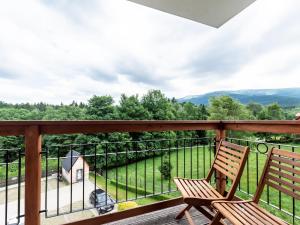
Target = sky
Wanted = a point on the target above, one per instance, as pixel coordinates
(63, 50)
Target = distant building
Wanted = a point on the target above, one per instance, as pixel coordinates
(74, 167)
(298, 116)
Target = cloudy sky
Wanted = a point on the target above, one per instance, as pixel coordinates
(62, 50)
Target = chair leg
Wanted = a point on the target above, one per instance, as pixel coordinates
(216, 219)
(181, 214)
(204, 212)
(189, 218)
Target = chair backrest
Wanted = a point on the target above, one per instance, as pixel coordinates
(281, 172)
(230, 161)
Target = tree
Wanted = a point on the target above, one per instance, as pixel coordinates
(100, 108)
(166, 168)
(226, 108)
(131, 108)
(158, 105)
(274, 112)
(255, 108)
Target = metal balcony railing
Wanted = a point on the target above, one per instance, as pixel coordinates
(36, 166)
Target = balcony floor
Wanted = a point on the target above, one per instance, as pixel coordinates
(164, 217)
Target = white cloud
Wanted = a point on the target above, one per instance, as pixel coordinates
(64, 50)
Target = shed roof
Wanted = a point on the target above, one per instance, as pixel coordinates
(66, 163)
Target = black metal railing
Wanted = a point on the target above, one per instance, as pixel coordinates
(11, 186)
(125, 170)
(273, 200)
(129, 171)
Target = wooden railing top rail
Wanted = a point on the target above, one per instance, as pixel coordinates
(73, 127)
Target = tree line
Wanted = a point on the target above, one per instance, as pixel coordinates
(154, 105)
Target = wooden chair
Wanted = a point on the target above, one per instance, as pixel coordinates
(281, 172)
(230, 161)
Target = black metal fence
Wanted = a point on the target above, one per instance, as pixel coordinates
(11, 188)
(126, 171)
(140, 171)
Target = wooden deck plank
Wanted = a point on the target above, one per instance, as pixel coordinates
(164, 217)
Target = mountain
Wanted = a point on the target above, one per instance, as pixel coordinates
(286, 97)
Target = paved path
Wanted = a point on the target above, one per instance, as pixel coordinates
(64, 199)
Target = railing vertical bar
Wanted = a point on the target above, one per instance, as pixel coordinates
(257, 164)
(145, 169)
(57, 182)
(95, 172)
(83, 177)
(239, 143)
(169, 152)
(6, 186)
(19, 184)
(106, 166)
(203, 157)
(136, 169)
(293, 206)
(210, 154)
(71, 186)
(161, 164)
(184, 157)
(268, 194)
(46, 185)
(191, 157)
(248, 187)
(197, 148)
(279, 192)
(126, 174)
(210, 150)
(117, 173)
(153, 170)
(177, 160)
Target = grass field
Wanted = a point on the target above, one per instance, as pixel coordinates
(194, 163)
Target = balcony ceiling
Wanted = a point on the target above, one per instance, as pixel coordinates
(210, 12)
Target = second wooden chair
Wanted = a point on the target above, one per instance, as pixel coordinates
(229, 161)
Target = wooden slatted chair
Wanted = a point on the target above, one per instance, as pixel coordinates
(198, 193)
(282, 173)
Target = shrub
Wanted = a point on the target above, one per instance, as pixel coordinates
(126, 205)
(165, 168)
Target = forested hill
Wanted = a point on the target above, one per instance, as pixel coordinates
(285, 97)
(152, 106)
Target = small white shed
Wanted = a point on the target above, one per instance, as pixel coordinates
(74, 166)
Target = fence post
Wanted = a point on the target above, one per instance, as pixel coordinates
(33, 148)
(221, 178)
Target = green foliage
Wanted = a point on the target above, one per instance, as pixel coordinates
(166, 167)
(100, 108)
(158, 105)
(255, 108)
(154, 105)
(226, 108)
(131, 108)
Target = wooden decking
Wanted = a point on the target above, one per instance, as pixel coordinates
(163, 217)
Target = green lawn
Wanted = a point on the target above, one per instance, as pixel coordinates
(13, 167)
(193, 162)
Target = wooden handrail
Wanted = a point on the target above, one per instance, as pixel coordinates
(15, 128)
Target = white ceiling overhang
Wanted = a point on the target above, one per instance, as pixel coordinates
(210, 12)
